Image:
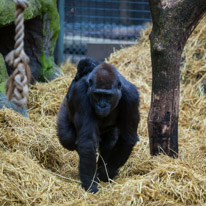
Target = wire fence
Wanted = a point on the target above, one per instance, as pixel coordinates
(102, 22)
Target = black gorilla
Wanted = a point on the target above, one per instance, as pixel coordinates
(84, 67)
(101, 112)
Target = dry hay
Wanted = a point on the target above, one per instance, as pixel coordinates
(36, 170)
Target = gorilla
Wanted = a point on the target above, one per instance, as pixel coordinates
(100, 112)
(84, 67)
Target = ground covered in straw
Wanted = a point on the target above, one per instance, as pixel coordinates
(36, 170)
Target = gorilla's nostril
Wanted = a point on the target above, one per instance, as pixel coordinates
(102, 105)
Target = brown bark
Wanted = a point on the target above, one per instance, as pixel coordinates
(173, 22)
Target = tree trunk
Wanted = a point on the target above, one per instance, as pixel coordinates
(173, 22)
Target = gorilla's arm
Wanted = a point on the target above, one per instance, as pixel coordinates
(65, 128)
(87, 138)
(127, 123)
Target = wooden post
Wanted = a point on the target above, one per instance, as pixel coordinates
(173, 22)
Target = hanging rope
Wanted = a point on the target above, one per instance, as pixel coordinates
(17, 85)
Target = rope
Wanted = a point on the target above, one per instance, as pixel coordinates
(17, 85)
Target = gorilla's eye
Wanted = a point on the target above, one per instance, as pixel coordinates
(119, 85)
(90, 82)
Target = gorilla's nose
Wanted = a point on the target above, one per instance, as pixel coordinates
(102, 105)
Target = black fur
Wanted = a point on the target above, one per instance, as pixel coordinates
(84, 67)
(82, 128)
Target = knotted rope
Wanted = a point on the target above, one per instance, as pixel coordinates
(17, 85)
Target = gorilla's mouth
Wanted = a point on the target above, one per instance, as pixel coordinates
(102, 112)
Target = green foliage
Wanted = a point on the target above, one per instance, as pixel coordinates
(3, 74)
(47, 67)
(49, 7)
(7, 11)
(51, 27)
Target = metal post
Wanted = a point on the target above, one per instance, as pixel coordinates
(59, 50)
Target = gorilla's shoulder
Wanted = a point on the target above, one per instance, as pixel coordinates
(130, 92)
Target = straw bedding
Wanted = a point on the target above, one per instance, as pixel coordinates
(36, 170)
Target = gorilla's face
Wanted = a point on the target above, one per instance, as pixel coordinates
(104, 93)
(104, 101)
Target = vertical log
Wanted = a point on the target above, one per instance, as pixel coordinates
(173, 22)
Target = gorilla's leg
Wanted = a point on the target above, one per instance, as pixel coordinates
(65, 129)
(107, 143)
(119, 155)
(87, 164)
